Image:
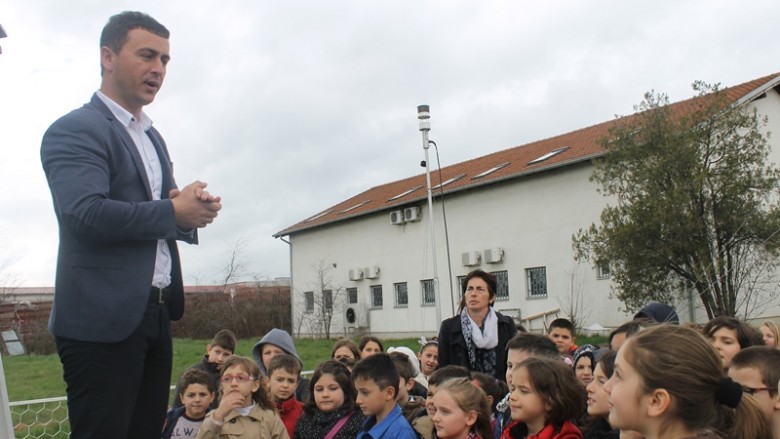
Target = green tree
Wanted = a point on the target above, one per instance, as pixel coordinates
(693, 204)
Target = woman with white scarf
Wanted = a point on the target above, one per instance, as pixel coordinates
(476, 338)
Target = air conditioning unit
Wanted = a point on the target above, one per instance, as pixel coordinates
(494, 255)
(470, 258)
(371, 272)
(397, 217)
(356, 316)
(412, 214)
(356, 274)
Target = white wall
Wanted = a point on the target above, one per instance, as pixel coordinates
(532, 219)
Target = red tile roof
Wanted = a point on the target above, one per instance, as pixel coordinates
(576, 146)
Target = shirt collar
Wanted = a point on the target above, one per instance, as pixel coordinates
(123, 116)
(378, 429)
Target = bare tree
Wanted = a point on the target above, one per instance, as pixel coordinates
(326, 299)
(574, 303)
(9, 283)
(301, 316)
(235, 269)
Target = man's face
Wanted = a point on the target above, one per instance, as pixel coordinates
(268, 353)
(217, 355)
(513, 358)
(370, 398)
(282, 385)
(133, 76)
(750, 378)
(562, 338)
(196, 399)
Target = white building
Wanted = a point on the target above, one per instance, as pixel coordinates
(512, 213)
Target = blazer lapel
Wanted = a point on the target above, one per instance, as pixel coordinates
(128, 143)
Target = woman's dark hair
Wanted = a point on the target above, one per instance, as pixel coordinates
(369, 338)
(746, 334)
(341, 375)
(557, 386)
(489, 279)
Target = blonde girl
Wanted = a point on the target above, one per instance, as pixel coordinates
(545, 397)
(245, 410)
(770, 334)
(330, 410)
(669, 383)
(462, 411)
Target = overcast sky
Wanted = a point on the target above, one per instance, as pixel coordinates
(288, 107)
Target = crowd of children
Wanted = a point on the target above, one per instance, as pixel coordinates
(655, 379)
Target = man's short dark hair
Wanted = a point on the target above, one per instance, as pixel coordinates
(380, 369)
(629, 328)
(537, 345)
(562, 323)
(286, 362)
(403, 365)
(225, 339)
(115, 32)
(196, 376)
(765, 359)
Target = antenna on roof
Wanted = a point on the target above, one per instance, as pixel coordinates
(424, 116)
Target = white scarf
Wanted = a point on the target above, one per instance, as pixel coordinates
(487, 338)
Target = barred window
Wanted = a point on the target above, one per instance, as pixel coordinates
(401, 295)
(327, 300)
(502, 289)
(428, 288)
(537, 282)
(376, 296)
(352, 295)
(308, 301)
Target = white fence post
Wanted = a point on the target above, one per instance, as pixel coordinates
(6, 424)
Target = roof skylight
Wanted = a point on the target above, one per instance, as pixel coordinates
(451, 180)
(318, 216)
(490, 171)
(403, 194)
(548, 155)
(362, 203)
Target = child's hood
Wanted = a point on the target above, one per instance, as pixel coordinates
(276, 337)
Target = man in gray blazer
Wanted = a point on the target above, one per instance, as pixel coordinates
(118, 281)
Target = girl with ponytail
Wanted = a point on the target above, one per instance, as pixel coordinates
(668, 383)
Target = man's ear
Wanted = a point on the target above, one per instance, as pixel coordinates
(107, 58)
(208, 348)
(409, 384)
(389, 393)
(659, 402)
(776, 405)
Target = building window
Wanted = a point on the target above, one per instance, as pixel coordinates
(401, 295)
(308, 301)
(537, 282)
(352, 295)
(602, 270)
(327, 300)
(376, 296)
(428, 292)
(460, 284)
(502, 289)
